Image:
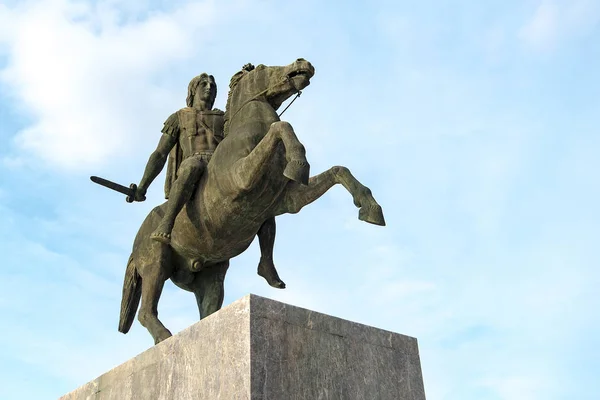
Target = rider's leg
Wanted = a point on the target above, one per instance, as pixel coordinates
(189, 173)
(266, 240)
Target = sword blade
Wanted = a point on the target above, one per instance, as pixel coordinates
(112, 185)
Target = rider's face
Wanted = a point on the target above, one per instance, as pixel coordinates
(207, 90)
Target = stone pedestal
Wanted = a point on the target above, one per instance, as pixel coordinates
(258, 348)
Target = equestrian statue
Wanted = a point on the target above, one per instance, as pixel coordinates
(228, 176)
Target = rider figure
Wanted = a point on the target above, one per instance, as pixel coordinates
(192, 133)
(191, 136)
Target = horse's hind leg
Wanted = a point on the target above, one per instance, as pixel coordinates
(297, 196)
(250, 168)
(208, 287)
(154, 275)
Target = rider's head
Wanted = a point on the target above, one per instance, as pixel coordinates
(202, 88)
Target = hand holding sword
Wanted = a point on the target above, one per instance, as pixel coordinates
(133, 192)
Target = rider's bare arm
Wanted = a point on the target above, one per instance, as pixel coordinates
(156, 162)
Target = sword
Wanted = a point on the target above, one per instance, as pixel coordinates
(129, 191)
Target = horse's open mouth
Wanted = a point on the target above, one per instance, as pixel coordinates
(302, 72)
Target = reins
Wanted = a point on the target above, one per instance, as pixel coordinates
(291, 102)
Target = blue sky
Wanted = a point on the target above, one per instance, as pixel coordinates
(474, 124)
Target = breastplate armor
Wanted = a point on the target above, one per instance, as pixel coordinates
(193, 126)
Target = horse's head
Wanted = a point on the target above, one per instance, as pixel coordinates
(270, 84)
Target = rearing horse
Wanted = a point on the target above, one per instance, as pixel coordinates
(259, 171)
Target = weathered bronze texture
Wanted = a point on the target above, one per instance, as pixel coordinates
(230, 191)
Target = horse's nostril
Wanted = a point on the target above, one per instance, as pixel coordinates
(301, 59)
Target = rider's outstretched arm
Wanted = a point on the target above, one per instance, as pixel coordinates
(155, 164)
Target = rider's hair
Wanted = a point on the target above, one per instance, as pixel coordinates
(194, 85)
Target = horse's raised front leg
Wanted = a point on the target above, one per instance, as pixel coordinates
(208, 287)
(250, 169)
(154, 274)
(297, 196)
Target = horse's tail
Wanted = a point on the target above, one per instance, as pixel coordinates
(132, 291)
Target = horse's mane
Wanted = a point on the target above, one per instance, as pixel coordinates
(235, 79)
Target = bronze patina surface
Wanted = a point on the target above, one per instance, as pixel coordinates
(229, 175)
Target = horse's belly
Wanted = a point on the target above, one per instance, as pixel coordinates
(211, 243)
(222, 221)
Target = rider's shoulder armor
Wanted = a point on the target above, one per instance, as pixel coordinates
(171, 126)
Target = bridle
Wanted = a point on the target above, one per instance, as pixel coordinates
(256, 96)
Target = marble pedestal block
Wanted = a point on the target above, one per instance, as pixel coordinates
(258, 348)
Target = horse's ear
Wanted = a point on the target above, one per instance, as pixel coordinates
(261, 66)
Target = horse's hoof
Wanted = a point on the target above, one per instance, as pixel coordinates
(298, 171)
(162, 337)
(372, 214)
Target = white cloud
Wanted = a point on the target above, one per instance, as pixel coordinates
(7, 24)
(554, 21)
(542, 29)
(85, 79)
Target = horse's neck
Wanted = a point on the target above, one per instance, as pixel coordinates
(255, 115)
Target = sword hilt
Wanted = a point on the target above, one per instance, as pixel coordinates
(130, 199)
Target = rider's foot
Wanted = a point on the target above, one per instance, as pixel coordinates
(162, 237)
(267, 270)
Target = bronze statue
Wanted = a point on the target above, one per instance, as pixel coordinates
(257, 172)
